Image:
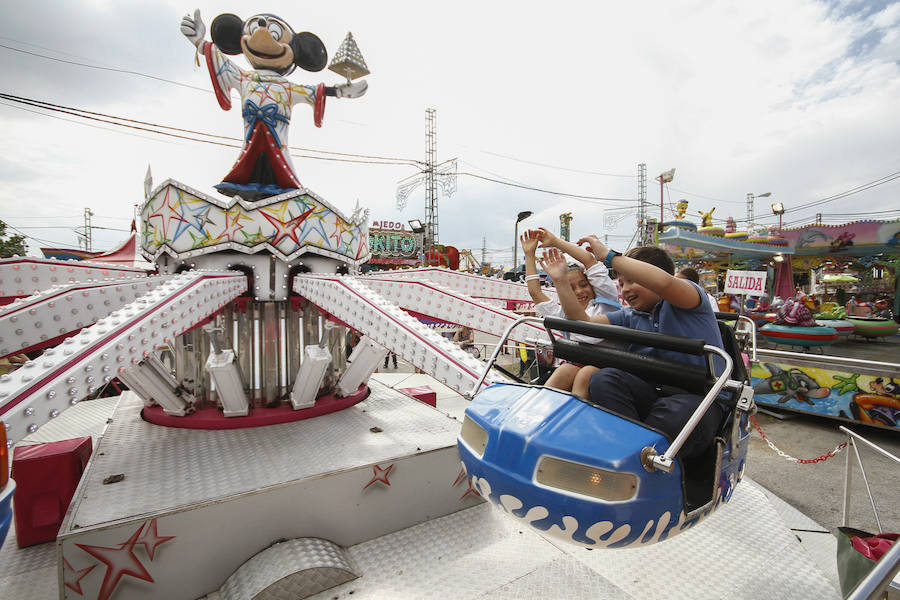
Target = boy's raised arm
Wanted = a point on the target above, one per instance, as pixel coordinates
(551, 240)
(679, 292)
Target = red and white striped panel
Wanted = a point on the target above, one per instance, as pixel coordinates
(34, 322)
(42, 388)
(353, 302)
(425, 297)
(24, 276)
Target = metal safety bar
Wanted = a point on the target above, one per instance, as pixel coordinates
(503, 337)
(666, 461)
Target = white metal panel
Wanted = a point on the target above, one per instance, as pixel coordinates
(432, 299)
(473, 285)
(63, 308)
(316, 361)
(362, 363)
(41, 389)
(351, 301)
(23, 276)
(225, 373)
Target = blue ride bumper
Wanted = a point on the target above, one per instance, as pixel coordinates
(569, 469)
(6, 513)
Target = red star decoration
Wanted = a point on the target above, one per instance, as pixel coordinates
(286, 229)
(460, 477)
(232, 224)
(72, 578)
(151, 539)
(470, 490)
(119, 562)
(381, 475)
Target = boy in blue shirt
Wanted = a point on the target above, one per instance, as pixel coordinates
(657, 301)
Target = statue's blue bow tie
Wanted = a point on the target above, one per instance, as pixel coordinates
(267, 114)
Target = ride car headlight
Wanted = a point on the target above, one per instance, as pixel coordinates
(474, 435)
(586, 480)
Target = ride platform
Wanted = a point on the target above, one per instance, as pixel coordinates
(220, 498)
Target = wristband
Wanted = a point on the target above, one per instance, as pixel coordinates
(608, 260)
(531, 278)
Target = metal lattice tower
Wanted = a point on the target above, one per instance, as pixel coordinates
(642, 203)
(431, 208)
(84, 237)
(750, 202)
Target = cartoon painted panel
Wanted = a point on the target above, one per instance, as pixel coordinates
(182, 220)
(879, 236)
(869, 399)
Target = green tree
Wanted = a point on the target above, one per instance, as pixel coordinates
(11, 246)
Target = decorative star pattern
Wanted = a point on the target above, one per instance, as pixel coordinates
(119, 562)
(470, 490)
(167, 213)
(380, 475)
(151, 539)
(72, 577)
(185, 221)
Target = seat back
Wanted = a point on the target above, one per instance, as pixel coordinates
(733, 349)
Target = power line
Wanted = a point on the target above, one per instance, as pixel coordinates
(114, 70)
(558, 168)
(592, 199)
(114, 120)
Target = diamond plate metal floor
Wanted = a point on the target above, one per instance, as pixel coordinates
(746, 550)
(743, 551)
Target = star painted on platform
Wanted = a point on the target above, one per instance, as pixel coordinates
(200, 241)
(285, 229)
(166, 213)
(72, 578)
(846, 384)
(470, 490)
(340, 228)
(252, 239)
(199, 214)
(119, 562)
(380, 475)
(151, 539)
(233, 218)
(460, 477)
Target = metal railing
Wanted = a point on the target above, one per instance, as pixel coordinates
(881, 575)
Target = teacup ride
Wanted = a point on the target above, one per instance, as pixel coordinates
(872, 327)
(583, 474)
(843, 327)
(775, 239)
(797, 335)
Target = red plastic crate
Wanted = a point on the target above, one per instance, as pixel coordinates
(46, 477)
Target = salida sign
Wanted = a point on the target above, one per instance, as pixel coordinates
(746, 283)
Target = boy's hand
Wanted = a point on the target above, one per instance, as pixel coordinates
(548, 239)
(554, 263)
(530, 240)
(598, 248)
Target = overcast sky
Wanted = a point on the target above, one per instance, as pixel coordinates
(794, 98)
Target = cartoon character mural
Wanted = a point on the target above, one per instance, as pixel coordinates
(273, 50)
(790, 384)
(863, 398)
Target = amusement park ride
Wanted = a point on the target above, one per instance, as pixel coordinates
(251, 452)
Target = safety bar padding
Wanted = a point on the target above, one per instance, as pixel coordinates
(616, 333)
(690, 378)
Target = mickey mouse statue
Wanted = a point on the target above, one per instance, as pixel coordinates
(272, 48)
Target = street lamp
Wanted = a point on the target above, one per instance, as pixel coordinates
(778, 209)
(419, 230)
(664, 178)
(751, 203)
(522, 216)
